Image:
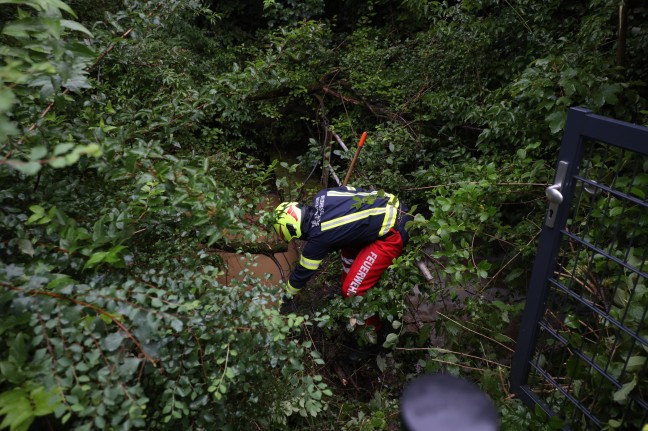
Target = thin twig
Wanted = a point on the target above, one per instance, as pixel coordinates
(494, 277)
(520, 16)
(477, 183)
(457, 365)
(441, 350)
(472, 252)
(225, 368)
(477, 333)
(503, 382)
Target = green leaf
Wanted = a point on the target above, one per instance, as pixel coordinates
(17, 410)
(25, 246)
(177, 325)
(621, 396)
(63, 148)
(39, 213)
(44, 402)
(614, 423)
(7, 99)
(130, 365)
(390, 340)
(113, 341)
(27, 168)
(20, 408)
(57, 162)
(37, 6)
(10, 372)
(109, 108)
(93, 150)
(52, 25)
(75, 26)
(7, 128)
(229, 373)
(100, 422)
(76, 83)
(20, 29)
(95, 259)
(635, 363)
(638, 192)
(18, 350)
(381, 363)
(557, 121)
(38, 153)
(609, 93)
(616, 211)
(60, 5)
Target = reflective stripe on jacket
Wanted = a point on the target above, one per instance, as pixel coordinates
(340, 217)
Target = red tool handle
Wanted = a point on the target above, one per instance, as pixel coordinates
(355, 157)
(362, 139)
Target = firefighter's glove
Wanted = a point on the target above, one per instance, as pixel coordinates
(287, 306)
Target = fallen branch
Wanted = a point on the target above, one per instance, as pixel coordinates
(425, 271)
(280, 92)
(378, 111)
(339, 141)
(267, 249)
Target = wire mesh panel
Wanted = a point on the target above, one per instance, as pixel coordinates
(583, 348)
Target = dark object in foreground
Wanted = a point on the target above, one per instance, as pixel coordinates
(441, 402)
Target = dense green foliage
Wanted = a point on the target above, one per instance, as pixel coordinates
(138, 136)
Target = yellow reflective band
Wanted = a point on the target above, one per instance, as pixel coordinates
(309, 263)
(346, 194)
(390, 220)
(391, 199)
(340, 221)
(389, 196)
(291, 290)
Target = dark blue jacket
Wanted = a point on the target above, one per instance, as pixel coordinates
(338, 218)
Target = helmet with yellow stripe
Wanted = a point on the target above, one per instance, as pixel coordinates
(288, 220)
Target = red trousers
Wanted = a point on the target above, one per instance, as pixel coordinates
(363, 267)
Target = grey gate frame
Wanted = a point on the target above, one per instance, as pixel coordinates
(583, 345)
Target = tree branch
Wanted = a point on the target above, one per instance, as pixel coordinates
(90, 306)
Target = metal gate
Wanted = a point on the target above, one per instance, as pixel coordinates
(583, 345)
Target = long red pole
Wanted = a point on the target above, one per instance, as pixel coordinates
(355, 158)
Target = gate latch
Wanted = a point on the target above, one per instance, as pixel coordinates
(554, 194)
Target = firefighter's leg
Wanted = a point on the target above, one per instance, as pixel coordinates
(348, 255)
(370, 263)
(368, 267)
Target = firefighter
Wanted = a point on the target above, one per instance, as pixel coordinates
(368, 227)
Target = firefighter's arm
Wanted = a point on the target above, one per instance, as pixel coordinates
(309, 262)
